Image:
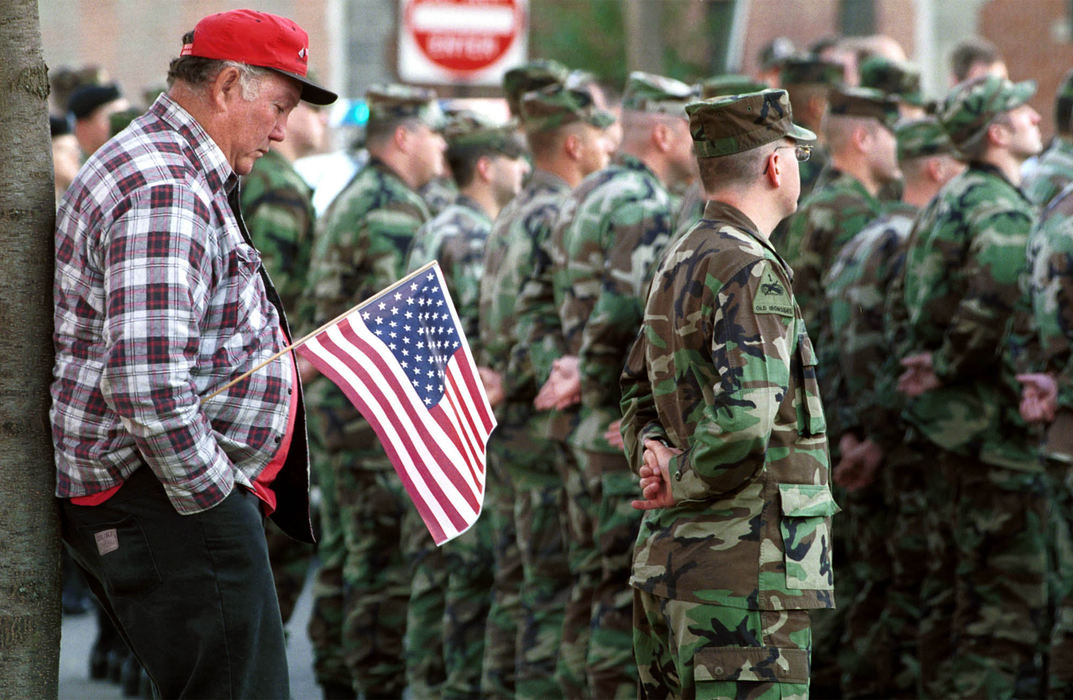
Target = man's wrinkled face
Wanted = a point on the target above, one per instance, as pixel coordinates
(252, 125)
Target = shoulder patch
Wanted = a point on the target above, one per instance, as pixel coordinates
(772, 297)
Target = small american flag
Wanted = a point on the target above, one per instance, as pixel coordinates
(402, 360)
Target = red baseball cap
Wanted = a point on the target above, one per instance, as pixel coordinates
(258, 39)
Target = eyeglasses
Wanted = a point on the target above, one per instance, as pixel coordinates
(801, 153)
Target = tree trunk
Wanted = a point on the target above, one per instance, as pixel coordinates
(29, 535)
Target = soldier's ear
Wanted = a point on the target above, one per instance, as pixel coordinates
(484, 168)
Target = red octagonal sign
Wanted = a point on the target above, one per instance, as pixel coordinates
(464, 36)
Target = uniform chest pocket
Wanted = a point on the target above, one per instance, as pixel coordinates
(806, 535)
(810, 420)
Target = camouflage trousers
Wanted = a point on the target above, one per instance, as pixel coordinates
(376, 577)
(326, 618)
(469, 562)
(425, 672)
(545, 589)
(865, 649)
(504, 611)
(578, 523)
(700, 650)
(907, 547)
(612, 669)
(1060, 581)
(989, 643)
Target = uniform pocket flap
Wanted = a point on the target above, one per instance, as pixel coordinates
(807, 500)
(770, 664)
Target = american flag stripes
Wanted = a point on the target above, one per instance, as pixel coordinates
(403, 361)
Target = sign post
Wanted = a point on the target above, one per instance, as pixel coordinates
(469, 42)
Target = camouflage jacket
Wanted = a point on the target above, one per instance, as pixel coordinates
(1052, 172)
(962, 290)
(724, 370)
(455, 237)
(438, 193)
(832, 215)
(277, 205)
(360, 248)
(857, 286)
(515, 255)
(612, 231)
(825, 221)
(1051, 289)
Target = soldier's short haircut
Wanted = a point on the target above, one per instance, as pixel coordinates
(735, 170)
(1063, 114)
(462, 160)
(380, 131)
(969, 52)
(547, 142)
(837, 129)
(198, 72)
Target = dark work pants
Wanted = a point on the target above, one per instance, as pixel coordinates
(192, 594)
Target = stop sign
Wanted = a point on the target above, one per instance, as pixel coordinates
(472, 41)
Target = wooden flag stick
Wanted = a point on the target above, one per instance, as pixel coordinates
(419, 271)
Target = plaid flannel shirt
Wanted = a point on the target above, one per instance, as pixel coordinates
(159, 302)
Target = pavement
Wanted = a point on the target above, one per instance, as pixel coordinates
(79, 632)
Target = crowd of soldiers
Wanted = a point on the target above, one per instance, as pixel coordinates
(930, 266)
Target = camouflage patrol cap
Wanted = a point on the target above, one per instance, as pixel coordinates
(531, 76)
(921, 137)
(896, 78)
(807, 70)
(775, 52)
(557, 105)
(971, 105)
(728, 84)
(647, 92)
(469, 129)
(863, 102)
(727, 125)
(395, 101)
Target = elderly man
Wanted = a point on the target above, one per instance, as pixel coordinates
(167, 454)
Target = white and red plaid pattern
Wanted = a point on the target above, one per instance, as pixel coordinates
(159, 301)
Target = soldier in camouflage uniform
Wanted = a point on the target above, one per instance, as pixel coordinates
(691, 207)
(965, 255)
(1051, 286)
(566, 136)
(898, 79)
(449, 592)
(885, 472)
(722, 420)
(859, 129)
(361, 248)
(1054, 169)
(610, 233)
(809, 80)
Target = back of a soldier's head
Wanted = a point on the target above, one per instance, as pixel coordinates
(734, 136)
(850, 109)
(974, 57)
(1063, 106)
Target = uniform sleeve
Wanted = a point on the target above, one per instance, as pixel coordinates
(993, 266)
(1052, 304)
(629, 247)
(538, 335)
(753, 328)
(280, 221)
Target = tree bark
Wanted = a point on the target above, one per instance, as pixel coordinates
(29, 533)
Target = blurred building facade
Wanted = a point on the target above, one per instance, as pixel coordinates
(354, 41)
